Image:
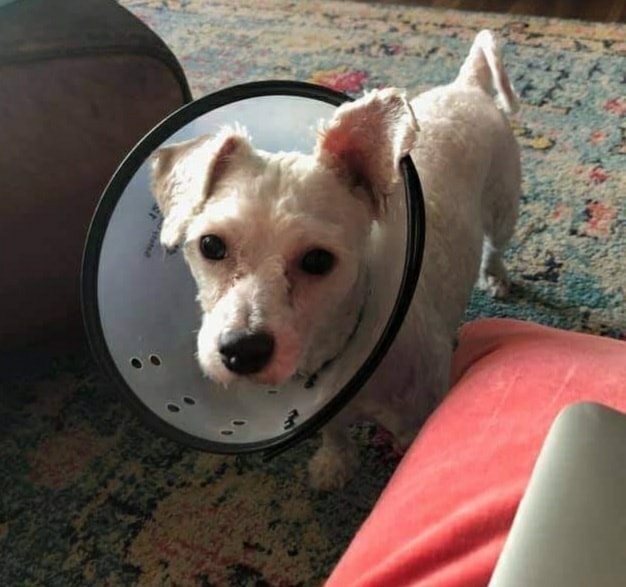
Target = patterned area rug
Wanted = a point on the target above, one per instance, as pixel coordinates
(88, 496)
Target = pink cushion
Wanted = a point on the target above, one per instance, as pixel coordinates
(444, 516)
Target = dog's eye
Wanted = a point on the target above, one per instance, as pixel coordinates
(212, 247)
(317, 262)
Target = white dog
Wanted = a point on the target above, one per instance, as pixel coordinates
(278, 243)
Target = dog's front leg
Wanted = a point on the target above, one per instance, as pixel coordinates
(336, 461)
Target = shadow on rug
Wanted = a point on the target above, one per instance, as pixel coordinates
(90, 497)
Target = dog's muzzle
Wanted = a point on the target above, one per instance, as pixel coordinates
(244, 352)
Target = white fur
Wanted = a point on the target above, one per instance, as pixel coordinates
(270, 209)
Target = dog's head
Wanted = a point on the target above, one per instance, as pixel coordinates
(277, 243)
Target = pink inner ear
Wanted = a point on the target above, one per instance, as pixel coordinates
(335, 141)
(366, 140)
(342, 146)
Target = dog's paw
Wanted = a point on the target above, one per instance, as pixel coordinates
(497, 287)
(330, 469)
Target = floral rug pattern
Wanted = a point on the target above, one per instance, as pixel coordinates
(88, 496)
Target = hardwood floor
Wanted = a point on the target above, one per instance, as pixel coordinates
(598, 10)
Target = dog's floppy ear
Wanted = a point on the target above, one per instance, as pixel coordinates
(183, 175)
(366, 139)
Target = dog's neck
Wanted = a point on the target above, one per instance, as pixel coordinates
(331, 342)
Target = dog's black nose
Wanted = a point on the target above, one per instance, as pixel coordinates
(244, 352)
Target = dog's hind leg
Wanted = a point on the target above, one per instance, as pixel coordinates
(500, 204)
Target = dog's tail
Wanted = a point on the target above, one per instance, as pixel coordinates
(483, 68)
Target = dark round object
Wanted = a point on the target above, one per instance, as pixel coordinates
(212, 247)
(317, 262)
